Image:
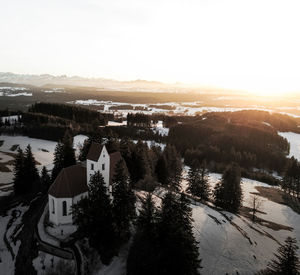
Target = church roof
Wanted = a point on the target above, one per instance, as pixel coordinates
(114, 159)
(94, 151)
(70, 182)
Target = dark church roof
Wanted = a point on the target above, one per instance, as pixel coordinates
(70, 182)
(114, 159)
(94, 151)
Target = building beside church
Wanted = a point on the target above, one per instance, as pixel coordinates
(71, 184)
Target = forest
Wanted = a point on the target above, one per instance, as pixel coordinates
(247, 137)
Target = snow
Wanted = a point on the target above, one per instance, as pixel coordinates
(187, 108)
(42, 150)
(266, 123)
(6, 260)
(19, 94)
(240, 245)
(78, 142)
(113, 123)
(38, 147)
(44, 235)
(294, 140)
(13, 88)
(158, 128)
(49, 264)
(223, 248)
(54, 90)
(152, 143)
(11, 119)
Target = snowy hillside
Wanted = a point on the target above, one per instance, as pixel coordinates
(231, 243)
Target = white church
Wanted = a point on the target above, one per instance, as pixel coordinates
(71, 183)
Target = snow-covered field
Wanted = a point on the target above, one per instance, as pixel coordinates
(238, 245)
(187, 108)
(294, 140)
(42, 150)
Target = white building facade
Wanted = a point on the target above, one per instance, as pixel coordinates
(71, 185)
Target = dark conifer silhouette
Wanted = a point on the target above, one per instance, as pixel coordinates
(143, 253)
(286, 261)
(198, 180)
(123, 201)
(228, 192)
(45, 180)
(19, 186)
(93, 216)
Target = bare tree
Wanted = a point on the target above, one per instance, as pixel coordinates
(256, 205)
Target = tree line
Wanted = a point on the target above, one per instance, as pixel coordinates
(27, 179)
(220, 141)
(146, 166)
(291, 180)
(70, 112)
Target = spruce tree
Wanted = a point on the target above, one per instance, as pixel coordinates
(64, 155)
(228, 192)
(198, 180)
(45, 180)
(174, 167)
(123, 201)
(93, 216)
(68, 151)
(178, 248)
(161, 170)
(31, 175)
(287, 260)
(143, 253)
(19, 186)
(58, 161)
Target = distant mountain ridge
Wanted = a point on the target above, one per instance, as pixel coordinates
(103, 83)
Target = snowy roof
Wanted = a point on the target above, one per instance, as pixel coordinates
(70, 182)
(94, 151)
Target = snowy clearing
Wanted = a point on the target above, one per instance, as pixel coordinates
(294, 140)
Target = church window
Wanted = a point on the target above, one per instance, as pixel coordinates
(92, 166)
(64, 205)
(103, 166)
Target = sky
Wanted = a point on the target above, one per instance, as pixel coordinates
(250, 45)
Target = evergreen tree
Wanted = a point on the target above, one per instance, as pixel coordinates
(123, 201)
(58, 161)
(287, 260)
(178, 248)
(174, 167)
(19, 186)
(93, 216)
(68, 151)
(198, 180)
(64, 155)
(31, 175)
(143, 253)
(87, 144)
(141, 161)
(228, 192)
(45, 180)
(161, 170)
